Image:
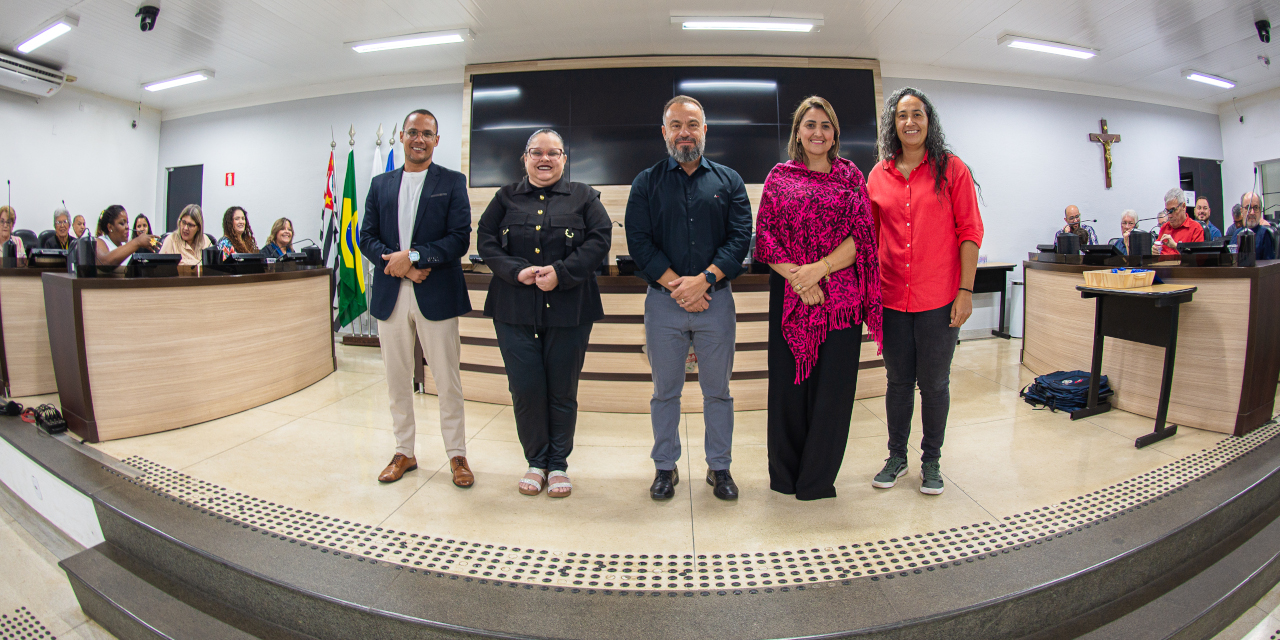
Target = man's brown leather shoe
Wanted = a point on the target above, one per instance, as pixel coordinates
(461, 472)
(399, 464)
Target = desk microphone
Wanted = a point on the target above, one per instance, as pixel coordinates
(313, 242)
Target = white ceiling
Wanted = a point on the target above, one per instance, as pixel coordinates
(269, 50)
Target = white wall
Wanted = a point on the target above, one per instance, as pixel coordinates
(279, 152)
(1030, 151)
(1257, 139)
(78, 146)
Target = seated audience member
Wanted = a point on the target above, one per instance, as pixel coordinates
(142, 225)
(1236, 224)
(1179, 228)
(280, 241)
(115, 248)
(61, 238)
(1202, 216)
(78, 227)
(237, 235)
(1073, 226)
(1128, 221)
(189, 240)
(1251, 213)
(8, 217)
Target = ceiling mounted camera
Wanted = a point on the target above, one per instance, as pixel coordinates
(1264, 30)
(147, 13)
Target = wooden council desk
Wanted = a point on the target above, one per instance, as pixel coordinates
(616, 377)
(26, 366)
(143, 355)
(1228, 356)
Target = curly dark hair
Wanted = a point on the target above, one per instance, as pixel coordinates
(935, 142)
(241, 243)
(108, 216)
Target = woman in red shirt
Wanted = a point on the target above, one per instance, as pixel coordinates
(925, 206)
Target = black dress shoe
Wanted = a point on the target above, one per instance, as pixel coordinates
(664, 484)
(724, 487)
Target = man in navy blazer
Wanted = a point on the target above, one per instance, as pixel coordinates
(415, 231)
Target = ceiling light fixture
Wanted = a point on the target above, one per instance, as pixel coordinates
(411, 40)
(728, 85)
(793, 25)
(186, 78)
(49, 32)
(1045, 46)
(505, 93)
(1216, 81)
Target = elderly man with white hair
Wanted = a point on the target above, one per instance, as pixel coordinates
(1251, 219)
(1178, 228)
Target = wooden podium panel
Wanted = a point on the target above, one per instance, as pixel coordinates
(144, 355)
(26, 364)
(1220, 336)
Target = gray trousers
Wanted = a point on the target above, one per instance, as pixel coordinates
(668, 332)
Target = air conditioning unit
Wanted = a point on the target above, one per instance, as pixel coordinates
(28, 78)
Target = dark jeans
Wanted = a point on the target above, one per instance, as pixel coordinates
(542, 373)
(917, 351)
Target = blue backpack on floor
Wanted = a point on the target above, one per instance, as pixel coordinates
(1063, 391)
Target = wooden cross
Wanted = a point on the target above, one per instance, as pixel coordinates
(1106, 139)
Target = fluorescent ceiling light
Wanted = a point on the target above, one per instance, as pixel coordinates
(49, 32)
(1208, 79)
(748, 24)
(514, 125)
(186, 78)
(505, 93)
(1045, 46)
(728, 85)
(411, 40)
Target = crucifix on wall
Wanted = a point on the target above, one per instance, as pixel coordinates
(1107, 139)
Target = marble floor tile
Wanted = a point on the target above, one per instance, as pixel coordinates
(610, 508)
(371, 407)
(87, 631)
(31, 578)
(360, 359)
(1253, 624)
(181, 448)
(35, 401)
(329, 390)
(974, 399)
(751, 427)
(325, 467)
(593, 429)
(1010, 376)
(1186, 441)
(1013, 465)
(762, 519)
(987, 353)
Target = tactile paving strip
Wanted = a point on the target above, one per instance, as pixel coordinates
(767, 570)
(22, 624)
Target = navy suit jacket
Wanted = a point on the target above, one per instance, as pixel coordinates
(441, 234)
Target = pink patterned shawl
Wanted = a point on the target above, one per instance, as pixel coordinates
(804, 215)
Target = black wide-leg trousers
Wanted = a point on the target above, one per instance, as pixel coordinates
(542, 373)
(808, 423)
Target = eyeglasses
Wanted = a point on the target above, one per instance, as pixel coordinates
(1171, 210)
(1251, 207)
(537, 154)
(1075, 218)
(186, 225)
(414, 133)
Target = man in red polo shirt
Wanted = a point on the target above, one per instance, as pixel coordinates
(1178, 228)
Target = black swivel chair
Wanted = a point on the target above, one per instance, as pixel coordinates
(44, 235)
(28, 238)
(213, 242)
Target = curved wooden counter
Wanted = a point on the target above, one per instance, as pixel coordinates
(616, 376)
(143, 355)
(26, 366)
(1228, 356)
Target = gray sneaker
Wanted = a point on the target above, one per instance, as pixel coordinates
(894, 468)
(931, 477)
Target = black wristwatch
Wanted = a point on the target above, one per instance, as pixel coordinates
(711, 277)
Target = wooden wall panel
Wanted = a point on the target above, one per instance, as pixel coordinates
(26, 337)
(211, 350)
(1208, 366)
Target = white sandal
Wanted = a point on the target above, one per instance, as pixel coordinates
(529, 482)
(566, 485)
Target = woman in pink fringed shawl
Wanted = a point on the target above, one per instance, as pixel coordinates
(816, 231)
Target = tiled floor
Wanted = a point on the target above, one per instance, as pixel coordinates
(30, 577)
(1260, 622)
(321, 449)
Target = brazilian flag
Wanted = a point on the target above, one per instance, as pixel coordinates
(350, 270)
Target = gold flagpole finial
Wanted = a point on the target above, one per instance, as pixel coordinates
(379, 134)
(352, 133)
(333, 143)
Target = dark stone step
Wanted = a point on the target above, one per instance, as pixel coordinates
(133, 600)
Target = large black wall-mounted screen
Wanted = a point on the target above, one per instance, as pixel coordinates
(611, 118)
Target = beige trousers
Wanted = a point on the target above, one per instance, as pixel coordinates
(443, 350)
